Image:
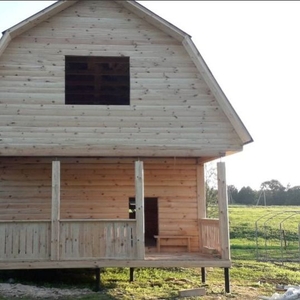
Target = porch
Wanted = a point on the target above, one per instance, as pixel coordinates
(96, 243)
(76, 243)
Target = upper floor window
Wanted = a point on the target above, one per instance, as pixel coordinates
(97, 80)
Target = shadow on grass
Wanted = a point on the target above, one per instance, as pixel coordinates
(162, 283)
(61, 278)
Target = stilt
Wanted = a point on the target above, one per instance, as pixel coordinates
(131, 274)
(226, 276)
(98, 273)
(203, 278)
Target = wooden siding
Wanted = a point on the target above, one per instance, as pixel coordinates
(100, 188)
(172, 111)
(25, 189)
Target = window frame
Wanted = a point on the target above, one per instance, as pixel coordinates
(97, 80)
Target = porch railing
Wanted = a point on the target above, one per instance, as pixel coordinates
(21, 240)
(78, 239)
(209, 235)
(84, 239)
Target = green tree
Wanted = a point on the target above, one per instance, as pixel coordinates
(272, 185)
(275, 192)
(232, 194)
(246, 196)
(293, 196)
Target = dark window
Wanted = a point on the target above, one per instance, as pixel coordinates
(97, 80)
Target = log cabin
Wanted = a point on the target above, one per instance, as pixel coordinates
(108, 114)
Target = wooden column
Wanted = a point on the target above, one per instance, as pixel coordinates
(223, 211)
(55, 212)
(201, 198)
(201, 192)
(139, 200)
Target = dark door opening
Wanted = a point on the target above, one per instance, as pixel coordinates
(151, 218)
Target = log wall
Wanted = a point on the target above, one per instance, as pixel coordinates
(172, 111)
(25, 189)
(100, 188)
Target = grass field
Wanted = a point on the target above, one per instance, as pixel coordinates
(249, 278)
(265, 233)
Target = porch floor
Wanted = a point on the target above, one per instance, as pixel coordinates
(185, 259)
(152, 259)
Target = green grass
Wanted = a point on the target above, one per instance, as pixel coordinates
(261, 232)
(164, 283)
(247, 275)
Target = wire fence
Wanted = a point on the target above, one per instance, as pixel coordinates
(274, 237)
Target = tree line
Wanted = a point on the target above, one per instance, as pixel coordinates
(271, 192)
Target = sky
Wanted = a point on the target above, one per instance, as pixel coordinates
(253, 50)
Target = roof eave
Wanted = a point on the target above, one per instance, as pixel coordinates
(6, 38)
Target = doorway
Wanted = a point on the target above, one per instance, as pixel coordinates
(151, 218)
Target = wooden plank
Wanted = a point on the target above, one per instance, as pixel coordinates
(59, 110)
(153, 151)
(139, 198)
(162, 261)
(96, 163)
(174, 240)
(223, 211)
(192, 292)
(55, 210)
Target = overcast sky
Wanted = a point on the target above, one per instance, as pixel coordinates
(253, 51)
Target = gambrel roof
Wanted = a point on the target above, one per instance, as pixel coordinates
(162, 25)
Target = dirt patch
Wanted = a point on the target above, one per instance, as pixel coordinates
(20, 290)
(33, 292)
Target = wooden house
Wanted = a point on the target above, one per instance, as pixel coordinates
(108, 114)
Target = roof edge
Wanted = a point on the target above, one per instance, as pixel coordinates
(60, 5)
(32, 21)
(4, 41)
(154, 19)
(217, 91)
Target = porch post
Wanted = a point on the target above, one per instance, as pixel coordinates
(201, 193)
(201, 198)
(223, 211)
(139, 199)
(55, 210)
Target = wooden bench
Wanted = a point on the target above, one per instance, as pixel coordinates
(167, 237)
